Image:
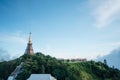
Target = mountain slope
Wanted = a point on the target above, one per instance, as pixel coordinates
(39, 63)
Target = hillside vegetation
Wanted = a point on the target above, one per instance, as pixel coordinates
(40, 64)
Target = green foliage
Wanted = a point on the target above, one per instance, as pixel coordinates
(7, 67)
(41, 64)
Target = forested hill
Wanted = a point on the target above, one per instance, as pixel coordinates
(40, 63)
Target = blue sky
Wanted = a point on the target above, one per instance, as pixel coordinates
(60, 28)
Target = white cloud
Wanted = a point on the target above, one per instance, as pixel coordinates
(17, 39)
(13, 38)
(105, 12)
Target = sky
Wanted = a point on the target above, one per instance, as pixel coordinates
(60, 28)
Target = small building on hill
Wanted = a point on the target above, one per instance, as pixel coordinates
(77, 60)
(41, 77)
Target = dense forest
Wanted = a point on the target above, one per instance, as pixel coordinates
(41, 64)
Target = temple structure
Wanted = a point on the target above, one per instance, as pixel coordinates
(29, 49)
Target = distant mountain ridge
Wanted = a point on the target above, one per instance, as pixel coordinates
(113, 59)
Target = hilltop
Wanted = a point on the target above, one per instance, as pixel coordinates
(39, 63)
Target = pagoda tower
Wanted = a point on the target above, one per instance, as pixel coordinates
(29, 49)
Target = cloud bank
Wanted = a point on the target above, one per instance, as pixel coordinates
(11, 45)
(4, 56)
(112, 58)
(105, 11)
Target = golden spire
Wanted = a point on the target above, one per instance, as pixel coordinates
(30, 39)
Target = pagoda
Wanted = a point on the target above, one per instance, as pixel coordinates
(29, 48)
